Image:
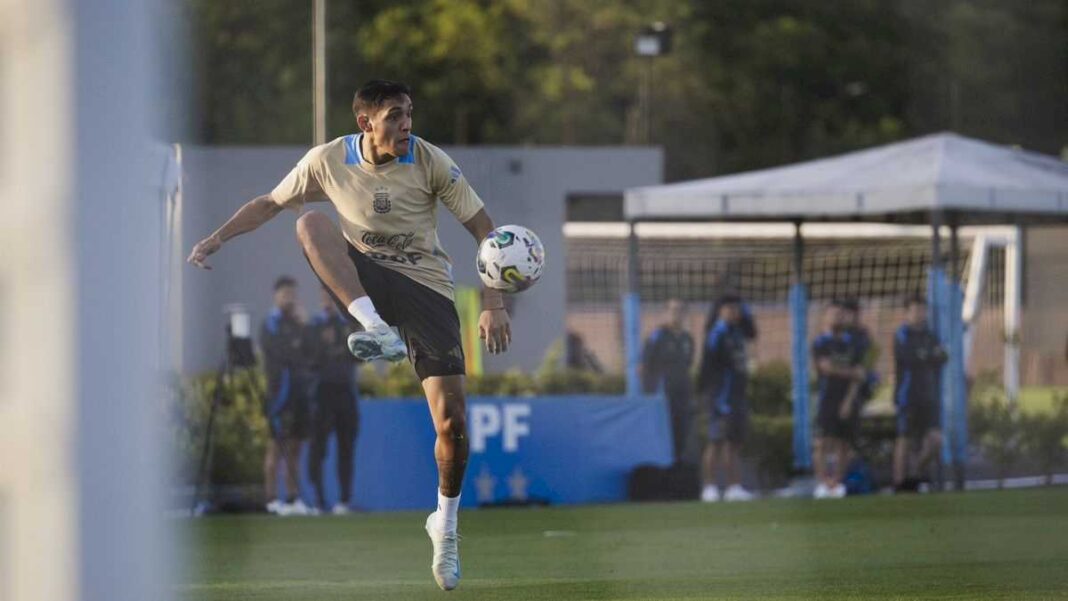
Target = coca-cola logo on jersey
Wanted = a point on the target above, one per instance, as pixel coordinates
(394, 241)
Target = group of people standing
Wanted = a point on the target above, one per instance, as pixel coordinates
(311, 393)
(843, 357)
(721, 382)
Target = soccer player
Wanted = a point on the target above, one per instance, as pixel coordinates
(838, 364)
(334, 398)
(722, 380)
(666, 361)
(918, 360)
(386, 267)
(282, 340)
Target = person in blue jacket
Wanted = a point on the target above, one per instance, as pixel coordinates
(918, 360)
(722, 385)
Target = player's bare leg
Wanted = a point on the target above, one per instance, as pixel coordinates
(709, 459)
(445, 396)
(819, 467)
(328, 254)
(270, 471)
(291, 455)
(901, 453)
(932, 445)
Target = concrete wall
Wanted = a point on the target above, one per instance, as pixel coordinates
(527, 186)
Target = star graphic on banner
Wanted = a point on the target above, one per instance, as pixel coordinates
(518, 484)
(485, 483)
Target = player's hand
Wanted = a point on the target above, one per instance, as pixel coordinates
(203, 249)
(495, 328)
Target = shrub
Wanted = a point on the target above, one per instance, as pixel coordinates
(1045, 436)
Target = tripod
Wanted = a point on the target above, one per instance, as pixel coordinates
(238, 355)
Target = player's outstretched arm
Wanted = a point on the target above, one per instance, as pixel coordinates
(493, 324)
(250, 216)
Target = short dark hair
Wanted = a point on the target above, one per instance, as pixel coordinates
(915, 299)
(729, 299)
(284, 281)
(375, 93)
(851, 304)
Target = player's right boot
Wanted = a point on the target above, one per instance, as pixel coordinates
(446, 564)
(377, 343)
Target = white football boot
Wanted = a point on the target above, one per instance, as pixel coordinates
(340, 509)
(377, 343)
(446, 564)
(275, 507)
(710, 494)
(735, 492)
(821, 492)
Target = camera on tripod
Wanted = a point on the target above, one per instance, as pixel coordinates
(239, 337)
(237, 355)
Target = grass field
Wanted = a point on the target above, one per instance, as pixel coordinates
(981, 545)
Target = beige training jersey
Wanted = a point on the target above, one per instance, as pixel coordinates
(389, 211)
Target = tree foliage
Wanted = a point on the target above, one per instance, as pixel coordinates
(750, 83)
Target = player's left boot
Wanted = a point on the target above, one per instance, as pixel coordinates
(736, 493)
(378, 343)
(446, 564)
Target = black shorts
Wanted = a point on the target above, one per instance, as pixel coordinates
(829, 423)
(732, 427)
(916, 419)
(427, 320)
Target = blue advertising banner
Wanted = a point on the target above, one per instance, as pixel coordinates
(558, 450)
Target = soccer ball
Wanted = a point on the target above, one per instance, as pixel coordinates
(510, 259)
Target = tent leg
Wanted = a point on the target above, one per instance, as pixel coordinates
(1013, 293)
(799, 356)
(957, 380)
(632, 316)
(938, 312)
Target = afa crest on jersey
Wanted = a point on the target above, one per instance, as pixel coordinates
(381, 200)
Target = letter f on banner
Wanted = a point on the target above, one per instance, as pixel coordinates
(485, 422)
(515, 426)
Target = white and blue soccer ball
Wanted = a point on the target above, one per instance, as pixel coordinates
(510, 259)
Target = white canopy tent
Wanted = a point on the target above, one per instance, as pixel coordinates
(979, 182)
(940, 179)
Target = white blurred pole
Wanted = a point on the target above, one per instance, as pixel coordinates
(39, 496)
(973, 300)
(319, 69)
(1013, 298)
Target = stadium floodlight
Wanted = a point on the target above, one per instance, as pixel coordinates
(654, 40)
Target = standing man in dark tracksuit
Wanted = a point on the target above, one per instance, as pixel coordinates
(918, 359)
(722, 384)
(838, 358)
(665, 365)
(666, 361)
(334, 399)
(282, 339)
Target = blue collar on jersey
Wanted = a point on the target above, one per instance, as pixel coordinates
(354, 153)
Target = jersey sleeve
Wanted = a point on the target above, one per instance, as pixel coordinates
(448, 183)
(302, 184)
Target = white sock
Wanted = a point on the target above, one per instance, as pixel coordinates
(364, 312)
(447, 508)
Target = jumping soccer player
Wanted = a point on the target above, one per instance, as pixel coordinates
(387, 268)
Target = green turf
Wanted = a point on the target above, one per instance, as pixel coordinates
(981, 545)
